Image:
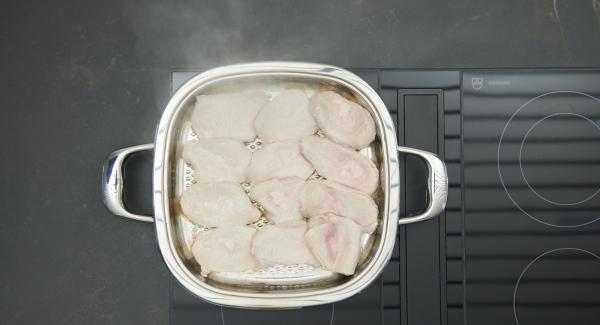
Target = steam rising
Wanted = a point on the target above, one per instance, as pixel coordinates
(206, 34)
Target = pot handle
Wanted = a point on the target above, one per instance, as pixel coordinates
(437, 185)
(112, 182)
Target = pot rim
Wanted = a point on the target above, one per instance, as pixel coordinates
(277, 299)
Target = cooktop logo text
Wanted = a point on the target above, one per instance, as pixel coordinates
(477, 83)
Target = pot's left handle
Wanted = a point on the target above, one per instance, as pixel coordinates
(112, 182)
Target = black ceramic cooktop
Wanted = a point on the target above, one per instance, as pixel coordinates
(531, 236)
(519, 240)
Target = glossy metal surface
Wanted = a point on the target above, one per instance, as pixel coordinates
(267, 297)
(112, 182)
(437, 185)
(269, 294)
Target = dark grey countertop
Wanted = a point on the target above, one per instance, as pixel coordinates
(84, 78)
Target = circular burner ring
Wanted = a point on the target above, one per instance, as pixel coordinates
(521, 163)
(514, 299)
(500, 145)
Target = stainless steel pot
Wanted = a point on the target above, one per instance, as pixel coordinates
(278, 287)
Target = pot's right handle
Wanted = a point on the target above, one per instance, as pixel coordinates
(112, 182)
(437, 185)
